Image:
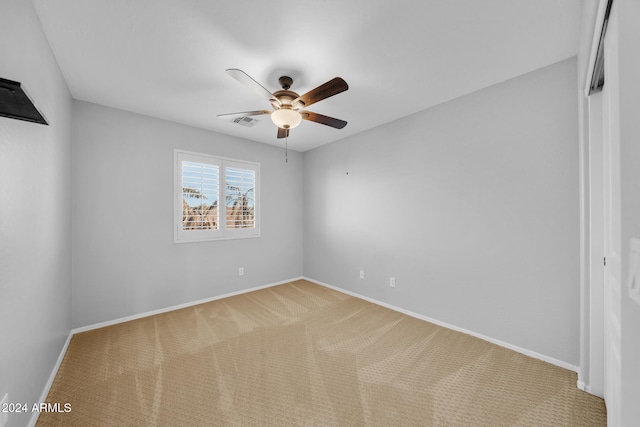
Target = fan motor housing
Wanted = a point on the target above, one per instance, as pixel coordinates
(286, 97)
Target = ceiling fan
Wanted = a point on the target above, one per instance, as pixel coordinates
(288, 107)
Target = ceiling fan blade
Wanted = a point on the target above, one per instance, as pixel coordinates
(325, 120)
(330, 88)
(243, 114)
(252, 85)
(283, 133)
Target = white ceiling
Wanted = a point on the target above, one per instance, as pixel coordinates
(167, 58)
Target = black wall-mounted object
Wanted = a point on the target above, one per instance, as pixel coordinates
(16, 104)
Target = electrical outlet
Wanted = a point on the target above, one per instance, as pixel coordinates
(241, 271)
(362, 274)
(4, 416)
(392, 282)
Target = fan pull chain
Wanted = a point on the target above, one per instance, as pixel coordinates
(286, 149)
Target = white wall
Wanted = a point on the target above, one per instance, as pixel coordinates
(35, 213)
(628, 16)
(124, 258)
(472, 206)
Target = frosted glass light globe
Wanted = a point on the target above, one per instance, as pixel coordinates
(286, 118)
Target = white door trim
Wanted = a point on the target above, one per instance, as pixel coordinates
(596, 247)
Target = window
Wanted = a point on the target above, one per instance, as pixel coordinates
(215, 198)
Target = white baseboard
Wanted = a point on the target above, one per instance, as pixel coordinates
(582, 386)
(47, 387)
(513, 347)
(177, 307)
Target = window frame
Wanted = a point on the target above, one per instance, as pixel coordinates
(222, 232)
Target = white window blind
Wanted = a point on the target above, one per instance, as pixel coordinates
(240, 189)
(216, 198)
(200, 189)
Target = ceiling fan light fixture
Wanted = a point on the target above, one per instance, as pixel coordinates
(288, 106)
(285, 118)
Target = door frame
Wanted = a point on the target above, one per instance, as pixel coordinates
(601, 288)
(591, 371)
(612, 231)
(595, 248)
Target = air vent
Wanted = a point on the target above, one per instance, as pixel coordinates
(246, 121)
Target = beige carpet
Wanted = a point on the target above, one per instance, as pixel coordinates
(300, 354)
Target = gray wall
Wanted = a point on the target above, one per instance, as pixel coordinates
(124, 258)
(472, 206)
(35, 213)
